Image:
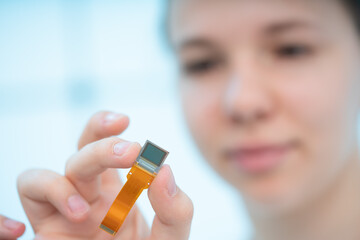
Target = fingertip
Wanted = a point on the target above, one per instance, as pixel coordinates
(78, 208)
(114, 123)
(134, 148)
(15, 228)
(125, 152)
(103, 124)
(20, 231)
(132, 152)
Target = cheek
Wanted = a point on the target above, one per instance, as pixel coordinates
(320, 106)
(323, 107)
(201, 106)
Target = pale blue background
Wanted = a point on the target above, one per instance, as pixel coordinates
(61, 61)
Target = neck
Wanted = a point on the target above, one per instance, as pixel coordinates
(334, 215)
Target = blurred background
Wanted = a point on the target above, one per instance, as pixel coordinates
(61, 61)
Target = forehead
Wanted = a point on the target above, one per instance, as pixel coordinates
(227, 18)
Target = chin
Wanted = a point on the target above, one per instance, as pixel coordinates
(273, 196)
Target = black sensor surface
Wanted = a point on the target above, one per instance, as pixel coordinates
(153, 154)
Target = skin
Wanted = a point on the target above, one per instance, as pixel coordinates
(72, 206)
(10, 229)
(272, 71)
(276, 72)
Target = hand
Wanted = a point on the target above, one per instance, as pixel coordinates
(10, 229)
(73, 206)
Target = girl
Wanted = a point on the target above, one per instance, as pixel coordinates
(271, 93)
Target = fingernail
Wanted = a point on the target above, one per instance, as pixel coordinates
(121, 147)
(11, 224)
(172, 188)
(111, 117)
(78, 205)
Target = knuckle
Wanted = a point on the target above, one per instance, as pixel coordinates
(69, 164)
(24, 179)
(35, 179)
(54, 182)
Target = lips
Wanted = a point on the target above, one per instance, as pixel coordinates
(258, 158)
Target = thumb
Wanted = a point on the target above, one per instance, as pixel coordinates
(173, 208)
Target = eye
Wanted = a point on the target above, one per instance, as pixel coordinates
(292, 51)
(201, 66)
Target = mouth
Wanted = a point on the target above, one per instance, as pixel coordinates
(255, 158)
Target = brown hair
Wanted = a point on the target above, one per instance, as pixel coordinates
(353, 6)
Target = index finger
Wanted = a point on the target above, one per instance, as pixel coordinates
(101, 125)
(85, 167)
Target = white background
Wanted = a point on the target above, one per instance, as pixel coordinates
(61, 61)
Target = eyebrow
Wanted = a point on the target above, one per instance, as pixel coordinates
(195, 42)
(272, 29)
(280, 27)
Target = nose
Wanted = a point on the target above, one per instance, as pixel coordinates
(247, 99)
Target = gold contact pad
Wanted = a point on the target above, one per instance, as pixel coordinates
(138, 180)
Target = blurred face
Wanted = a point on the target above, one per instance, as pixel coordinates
(270, 91)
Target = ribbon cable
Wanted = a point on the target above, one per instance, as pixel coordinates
(138, 179)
